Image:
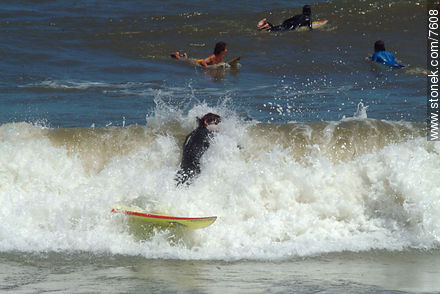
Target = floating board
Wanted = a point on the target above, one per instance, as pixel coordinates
(233, 63)
(164, 220)
(318, 24)
(315, 25)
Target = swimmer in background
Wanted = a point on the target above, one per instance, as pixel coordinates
(385, 57)
(292, 23)
(220, 51)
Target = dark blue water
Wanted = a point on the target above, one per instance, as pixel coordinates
(99, 63)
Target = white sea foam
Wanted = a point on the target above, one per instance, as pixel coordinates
(124, 88)
(269, 204)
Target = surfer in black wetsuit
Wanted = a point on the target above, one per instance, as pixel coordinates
(196, 143)
(292, 23)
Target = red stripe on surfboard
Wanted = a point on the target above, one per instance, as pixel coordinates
(128, 212)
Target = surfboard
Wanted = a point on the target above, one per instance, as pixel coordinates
(164, 220)
(315, 25)
(318, 24)
(233, 63)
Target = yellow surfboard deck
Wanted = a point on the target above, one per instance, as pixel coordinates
(139, 215)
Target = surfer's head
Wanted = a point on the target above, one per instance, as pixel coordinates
(307, 10)
(379, 46)
(219, 48)
(209, 119)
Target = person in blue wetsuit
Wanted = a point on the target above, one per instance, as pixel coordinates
(382, 56)
(196, 143)
(292, 23)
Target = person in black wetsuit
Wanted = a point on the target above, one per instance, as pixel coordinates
(196, 143)
(292, 23)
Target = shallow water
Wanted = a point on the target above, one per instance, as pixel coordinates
(373, 272)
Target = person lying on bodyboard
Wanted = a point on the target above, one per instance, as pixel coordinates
(216, 57)
(292, 23)
(385, 57)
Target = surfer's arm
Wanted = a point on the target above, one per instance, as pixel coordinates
(203, 63)
(179, 56)
(208, 60)
(264, 25)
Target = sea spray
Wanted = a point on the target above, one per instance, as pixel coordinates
(279, 191)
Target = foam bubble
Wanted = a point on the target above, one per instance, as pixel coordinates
(278, 191)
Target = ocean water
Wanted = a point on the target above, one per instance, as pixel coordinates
(321, 175)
